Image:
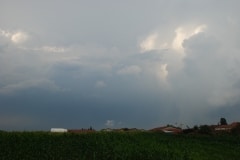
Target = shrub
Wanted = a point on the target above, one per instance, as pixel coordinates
(205, 129)
(236, 130)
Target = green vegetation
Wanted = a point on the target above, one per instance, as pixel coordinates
(117, 146)
(223, 121)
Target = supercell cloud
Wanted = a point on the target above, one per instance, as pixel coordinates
(111, 64)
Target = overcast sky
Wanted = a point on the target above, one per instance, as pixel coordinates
(129, 63)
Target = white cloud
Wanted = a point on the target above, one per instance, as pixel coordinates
(178, 40)
(5, 33)
(5, 38)
(15, 37)
(156, 42)
(110, 123)
(157, 72)
(166, 48)
(48, 49)
(152, 42)
(162, 72)
(149, 43)
(130, 70)
(19, 37)
(24, 66)
(183, 33)
(210, 69)
(53, 49)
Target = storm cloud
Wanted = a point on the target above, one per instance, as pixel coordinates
(103, 64)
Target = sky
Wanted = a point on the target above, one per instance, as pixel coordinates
(113, 64)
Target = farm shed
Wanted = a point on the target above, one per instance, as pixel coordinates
(167, 129)
(227, 127)
(58, 130)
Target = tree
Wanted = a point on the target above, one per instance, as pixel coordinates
(205, 129)
(223, 121)
(236, 129)
(195, 127)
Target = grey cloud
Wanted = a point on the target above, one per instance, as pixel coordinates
(82, 62)
(23, 85)
(15, 122)
(132, 70)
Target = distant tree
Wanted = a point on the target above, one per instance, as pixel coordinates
(205, 129)
(223, 121)
(90, 128)
(236, 130)
(188, 130)
(195, 127)
(125, 129)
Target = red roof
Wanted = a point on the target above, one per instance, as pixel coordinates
(227, 127)
(168, 129)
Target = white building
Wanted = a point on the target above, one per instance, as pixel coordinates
(58, 130)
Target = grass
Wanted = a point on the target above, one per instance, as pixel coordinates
(117, 146)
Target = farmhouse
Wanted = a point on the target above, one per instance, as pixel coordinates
(167, 129)
(227, 128)
(58, 130)
(107, 130)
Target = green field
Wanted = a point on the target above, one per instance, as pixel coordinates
(117, 145)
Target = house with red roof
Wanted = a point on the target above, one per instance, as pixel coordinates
(226, 128)
(167, 129)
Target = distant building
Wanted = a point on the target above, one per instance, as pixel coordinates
(58, 130)
(129, 130)
(107, 130)
(227, 128)
(167, 129)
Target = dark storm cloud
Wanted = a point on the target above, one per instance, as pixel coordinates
(132, 64)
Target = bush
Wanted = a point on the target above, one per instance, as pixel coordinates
(205, 129)
(236, 130)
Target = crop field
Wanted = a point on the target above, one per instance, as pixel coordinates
(117, 146)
